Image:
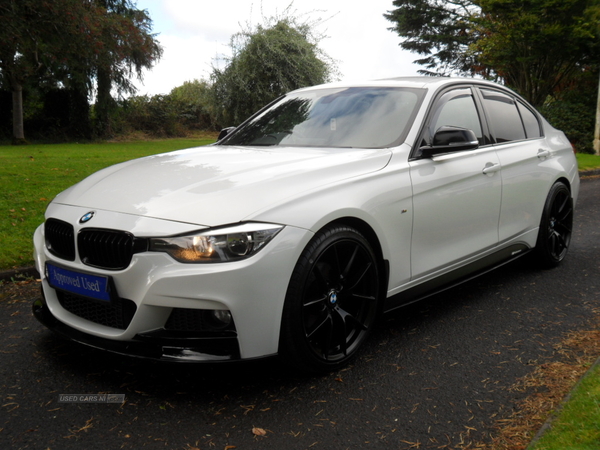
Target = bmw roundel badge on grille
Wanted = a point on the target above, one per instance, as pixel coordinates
(86, 217)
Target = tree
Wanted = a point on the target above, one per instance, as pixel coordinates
(534, 46)
(127, 47)
(72, 43)
(33, 35)
(193, 103)
(267, 62)
(439, 30)
(573, 110)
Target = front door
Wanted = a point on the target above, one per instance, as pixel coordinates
(456, 196)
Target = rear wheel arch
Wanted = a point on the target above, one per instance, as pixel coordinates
(556, 225)
(564, 181)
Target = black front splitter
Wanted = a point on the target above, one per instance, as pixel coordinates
(158, 345)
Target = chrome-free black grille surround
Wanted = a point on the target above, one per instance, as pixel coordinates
(108, 249)
(117, 313)
(59, 238)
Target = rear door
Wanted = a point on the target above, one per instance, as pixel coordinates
(523, 153)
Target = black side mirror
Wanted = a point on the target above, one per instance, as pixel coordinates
(451, 139)
(224, 132)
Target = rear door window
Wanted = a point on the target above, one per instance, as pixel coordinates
(503, 116)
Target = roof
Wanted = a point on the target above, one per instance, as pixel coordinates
(416, 82)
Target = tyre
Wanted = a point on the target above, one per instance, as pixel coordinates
(332, 301)
(556, 227)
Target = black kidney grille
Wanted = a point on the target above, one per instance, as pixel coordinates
(109, 249)
(60, 240)
(98, 247)
(115, 314)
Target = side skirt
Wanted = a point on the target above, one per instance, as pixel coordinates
(456, 277)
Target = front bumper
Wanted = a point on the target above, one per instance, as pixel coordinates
(157, 345)
(155, 287)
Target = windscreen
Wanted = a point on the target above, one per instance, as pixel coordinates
(361, 117)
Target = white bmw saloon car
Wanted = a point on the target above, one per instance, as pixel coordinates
(294, 232)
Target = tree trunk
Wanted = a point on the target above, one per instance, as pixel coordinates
(104, 102)
(597, 130)
(80, 126)
(17, 102)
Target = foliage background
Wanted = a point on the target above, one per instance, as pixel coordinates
(268, 60)
(546, 50)
(522, 43)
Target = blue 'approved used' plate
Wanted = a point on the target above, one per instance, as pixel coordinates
(85, 284)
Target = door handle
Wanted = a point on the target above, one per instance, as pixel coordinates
(491, 168)
(543, 153)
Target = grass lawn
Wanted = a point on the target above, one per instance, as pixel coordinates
(30, 177)
(578, 424)
(588, 162)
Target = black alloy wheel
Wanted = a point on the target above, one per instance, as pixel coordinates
(332, 301)
(556, 226)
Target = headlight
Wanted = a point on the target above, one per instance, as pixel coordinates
(217, 245)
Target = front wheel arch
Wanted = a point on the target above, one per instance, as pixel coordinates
(333, 300)
(371, 236)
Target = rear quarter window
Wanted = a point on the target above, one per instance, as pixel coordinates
(530, 121)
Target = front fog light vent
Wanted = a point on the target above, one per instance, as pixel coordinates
(219, 318)
(200, 320)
